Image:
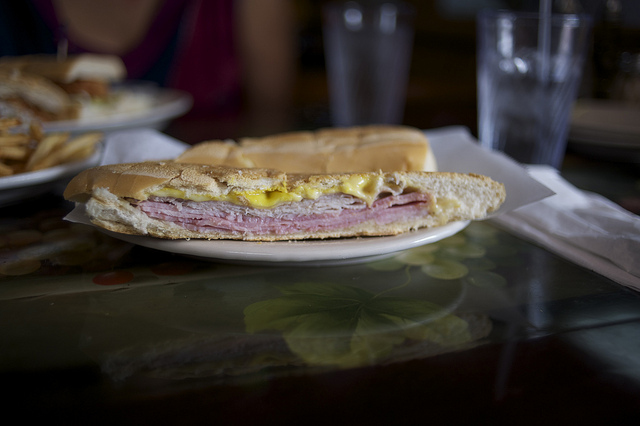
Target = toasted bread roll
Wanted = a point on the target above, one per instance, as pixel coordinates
(331, 150)
(176, 200)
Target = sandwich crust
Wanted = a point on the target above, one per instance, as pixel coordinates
(139, 180)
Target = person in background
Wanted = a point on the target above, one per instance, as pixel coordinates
(235, 57)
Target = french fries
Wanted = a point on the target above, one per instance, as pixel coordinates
(34, 150)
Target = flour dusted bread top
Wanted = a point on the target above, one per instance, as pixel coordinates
(330, 150)
(139, 180)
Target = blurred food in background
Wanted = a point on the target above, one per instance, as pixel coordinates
(78, 87)
(31, 150)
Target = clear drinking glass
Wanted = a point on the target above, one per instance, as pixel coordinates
(529, 73)
(368, 48)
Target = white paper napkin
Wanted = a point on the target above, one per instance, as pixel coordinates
(129, 146)
(456, 150)
(583, 227)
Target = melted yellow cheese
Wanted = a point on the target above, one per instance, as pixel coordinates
(265, 199)
(365, 187)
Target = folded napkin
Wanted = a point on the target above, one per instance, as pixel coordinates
(583, 227)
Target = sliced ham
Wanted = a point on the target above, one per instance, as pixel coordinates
(327, 212)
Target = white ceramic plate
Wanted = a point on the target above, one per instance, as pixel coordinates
(299, 253)
(31, 184)
(166, 104)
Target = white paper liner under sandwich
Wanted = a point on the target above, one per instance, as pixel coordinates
(583, 227)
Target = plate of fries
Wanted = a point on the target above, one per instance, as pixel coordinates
(32, 161)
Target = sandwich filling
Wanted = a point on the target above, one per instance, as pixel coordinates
(324, 213)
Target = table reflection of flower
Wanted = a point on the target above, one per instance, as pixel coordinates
(462, 256)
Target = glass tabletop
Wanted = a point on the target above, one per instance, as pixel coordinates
(91, 321)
